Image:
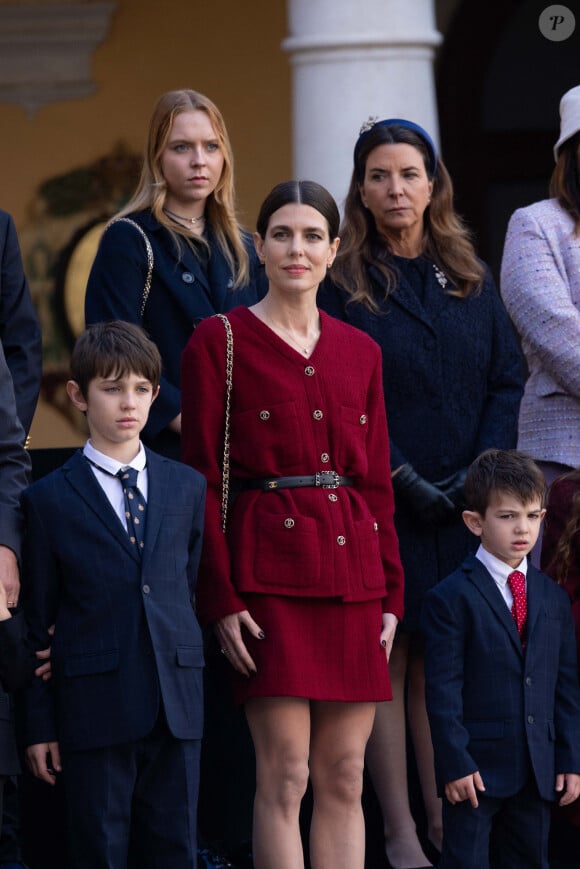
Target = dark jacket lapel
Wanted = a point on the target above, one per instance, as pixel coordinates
(485, 585)
(158, 498)
(81, 478)
(535, 581)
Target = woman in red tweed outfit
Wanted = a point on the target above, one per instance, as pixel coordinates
(305, 588)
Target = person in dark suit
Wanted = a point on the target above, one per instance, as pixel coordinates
(202, 261)
(16, 662)
(502, 687)
(19, 327)
(407, 274)
(17, 666)
(122, 717)
(21, 340)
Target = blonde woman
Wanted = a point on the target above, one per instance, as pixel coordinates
(203, 262)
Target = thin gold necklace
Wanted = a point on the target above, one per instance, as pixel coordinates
(306, 350)
(192, 220)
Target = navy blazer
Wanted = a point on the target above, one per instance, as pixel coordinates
(17, 665)
(493, 707)
(20, 375)
(126, 637)
(453, 380)
(181, 296)
(14, 463)
(19, 327)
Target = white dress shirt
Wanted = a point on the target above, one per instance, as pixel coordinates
(500, 571)
(113, 488)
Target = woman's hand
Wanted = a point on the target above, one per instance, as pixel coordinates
(390, 623)
(229, 633)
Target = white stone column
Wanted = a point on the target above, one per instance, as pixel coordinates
(352, 59)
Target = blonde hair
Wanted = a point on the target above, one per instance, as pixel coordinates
(151, 190)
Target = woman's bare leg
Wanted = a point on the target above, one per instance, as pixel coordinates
(280, 729)
(339, 734)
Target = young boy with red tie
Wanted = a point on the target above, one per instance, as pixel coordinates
(501, 679)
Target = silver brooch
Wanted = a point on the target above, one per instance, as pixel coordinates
(368, 125)
(441, 276)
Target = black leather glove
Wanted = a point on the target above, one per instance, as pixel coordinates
(425, 499)
(454, 487)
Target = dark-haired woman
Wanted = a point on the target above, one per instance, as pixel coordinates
(407, 274)
(540, 285)
(201, 260)
(305, 588)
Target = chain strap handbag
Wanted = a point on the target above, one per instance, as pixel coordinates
(226, 454)
(150, 261)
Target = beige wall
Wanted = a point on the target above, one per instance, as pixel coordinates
(228, 50)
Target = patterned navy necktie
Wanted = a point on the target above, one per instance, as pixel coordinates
(135, 506)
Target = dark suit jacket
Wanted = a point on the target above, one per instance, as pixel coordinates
(19, 328)
(17, 665)
(453, 379)
(14, 469)
(126, 637)
(14, 462)
(182, 294)
(492, 707)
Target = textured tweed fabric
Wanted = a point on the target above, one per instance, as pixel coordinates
(540, 285)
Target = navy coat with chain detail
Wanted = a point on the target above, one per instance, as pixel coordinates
(453, 380)
(181, 295)
(126, 639)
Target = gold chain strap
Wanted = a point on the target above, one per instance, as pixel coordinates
(226, 459)
(149, 249)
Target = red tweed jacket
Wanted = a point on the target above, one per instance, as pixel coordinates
(292, 416)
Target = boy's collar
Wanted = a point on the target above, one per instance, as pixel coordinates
(498, 568)
(112, 465)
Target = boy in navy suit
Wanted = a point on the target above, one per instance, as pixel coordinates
(122, 715)
(501, 679)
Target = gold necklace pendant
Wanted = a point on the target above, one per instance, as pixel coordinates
(306, 350)
(192, 220)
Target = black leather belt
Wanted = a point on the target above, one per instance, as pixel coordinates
(323, 480)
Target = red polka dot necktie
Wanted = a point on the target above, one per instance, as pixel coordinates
(517, 584)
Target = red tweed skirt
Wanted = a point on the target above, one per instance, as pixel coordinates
(317, 648)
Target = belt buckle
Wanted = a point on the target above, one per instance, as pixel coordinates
(327, 479)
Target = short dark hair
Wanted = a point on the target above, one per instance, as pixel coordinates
(508, 471)
(114, 348)
(302, 193)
